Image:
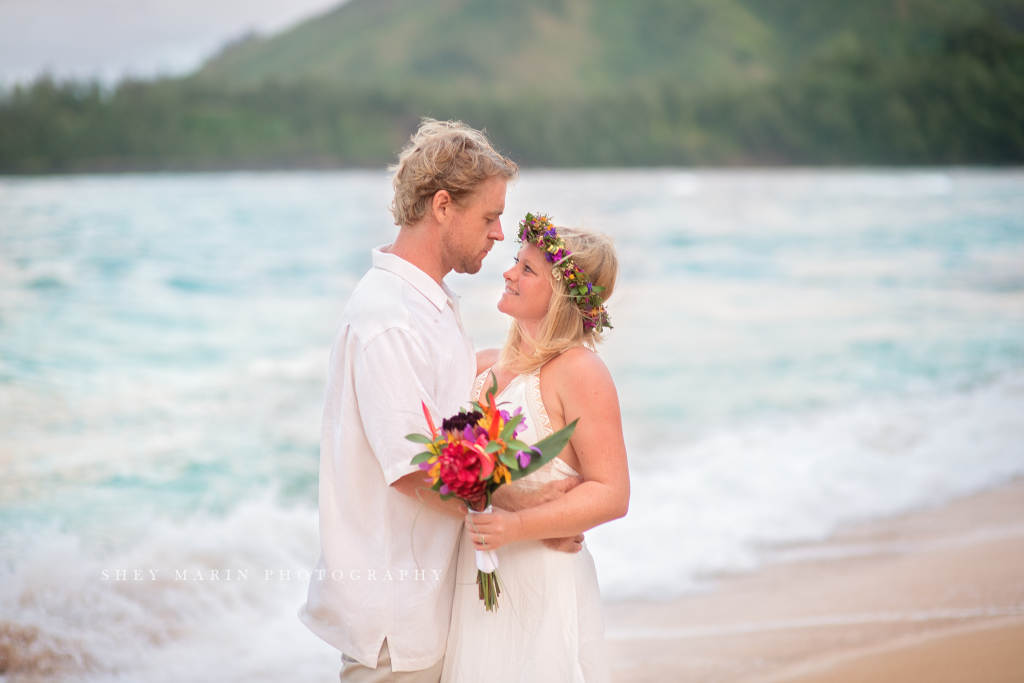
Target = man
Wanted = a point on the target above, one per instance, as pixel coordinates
(382, 589)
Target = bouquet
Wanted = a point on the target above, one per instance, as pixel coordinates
(474, 453)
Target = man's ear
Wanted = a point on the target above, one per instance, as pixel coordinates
(442, 206)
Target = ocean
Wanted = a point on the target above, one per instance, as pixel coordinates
(794, 351)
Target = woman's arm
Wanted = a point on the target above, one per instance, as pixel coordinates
(585, 390)
(486, 359)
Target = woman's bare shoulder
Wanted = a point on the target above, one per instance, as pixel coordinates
(486, 358)
(579, 367)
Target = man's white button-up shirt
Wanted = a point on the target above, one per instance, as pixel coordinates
(387, 564)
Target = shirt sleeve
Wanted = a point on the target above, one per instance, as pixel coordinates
(392, 377)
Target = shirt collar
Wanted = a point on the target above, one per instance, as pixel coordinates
(436, 294)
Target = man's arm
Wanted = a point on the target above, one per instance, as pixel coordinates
(412, 485)
(393, 383)
(485, 360)
(512, 500)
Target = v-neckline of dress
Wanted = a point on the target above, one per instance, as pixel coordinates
(479, 392)
(536, 402)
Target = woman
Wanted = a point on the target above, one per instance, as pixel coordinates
(548, 626)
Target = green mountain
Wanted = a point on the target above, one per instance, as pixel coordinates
(569, 47)
(565, 83)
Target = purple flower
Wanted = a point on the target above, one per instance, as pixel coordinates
(522, 423)
(524, 458)
(444, 491)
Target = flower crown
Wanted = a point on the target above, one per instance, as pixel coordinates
(540, 232)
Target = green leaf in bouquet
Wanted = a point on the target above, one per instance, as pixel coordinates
(419, 438)
(509, 428)
(549, 448)
(508, 459)
(493, 447)
(517, 445)
(422, 457)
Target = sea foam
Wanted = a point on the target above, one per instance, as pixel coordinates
(72, 612)
(712, 505)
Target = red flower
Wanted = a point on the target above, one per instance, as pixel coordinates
(460, 471)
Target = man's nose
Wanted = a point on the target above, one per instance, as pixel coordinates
(496, 233)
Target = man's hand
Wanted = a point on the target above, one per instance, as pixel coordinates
(556, 489)
(551, 491)
(573, 544)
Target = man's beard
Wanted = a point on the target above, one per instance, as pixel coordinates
(459, 258)
(469, 266)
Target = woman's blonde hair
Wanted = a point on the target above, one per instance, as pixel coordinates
(562, 326)
(443, 155)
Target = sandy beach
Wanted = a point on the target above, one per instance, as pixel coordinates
(932, 596)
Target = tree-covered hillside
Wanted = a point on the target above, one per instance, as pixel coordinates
(566, 83)
(561, 46)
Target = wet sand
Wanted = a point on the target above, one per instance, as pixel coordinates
(932, 596)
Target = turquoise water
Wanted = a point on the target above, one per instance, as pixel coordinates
(793, 350)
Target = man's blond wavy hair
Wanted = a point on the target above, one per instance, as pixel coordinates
(562, 327)
(443, 155)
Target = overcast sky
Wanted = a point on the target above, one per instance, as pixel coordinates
(108, 39)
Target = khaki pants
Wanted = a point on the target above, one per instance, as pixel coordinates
(354, 672)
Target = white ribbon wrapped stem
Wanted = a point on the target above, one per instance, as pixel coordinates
(486, 560)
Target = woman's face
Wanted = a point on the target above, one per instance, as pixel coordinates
(527, 287)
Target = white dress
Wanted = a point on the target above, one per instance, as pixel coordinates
(548, 626)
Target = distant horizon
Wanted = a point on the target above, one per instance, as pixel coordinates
(108, 41)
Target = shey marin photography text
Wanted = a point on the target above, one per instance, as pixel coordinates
(272, 575)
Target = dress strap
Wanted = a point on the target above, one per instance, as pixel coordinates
(478, 386)
(537, 403)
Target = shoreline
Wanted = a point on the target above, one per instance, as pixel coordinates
(933, 595)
